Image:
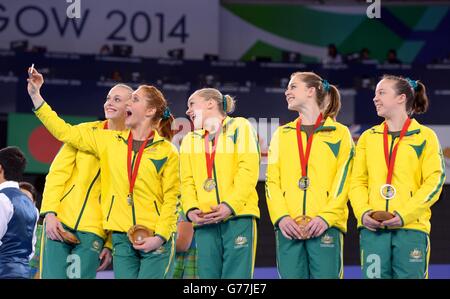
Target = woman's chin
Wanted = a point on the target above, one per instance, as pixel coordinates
(381, 113)
(292, 107)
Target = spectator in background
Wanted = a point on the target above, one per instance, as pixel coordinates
(31, 193)
(392, 57)
(116, 76)
(18, 217)
(105, 50)
(364, 57)
(333, 57)
(446, 59)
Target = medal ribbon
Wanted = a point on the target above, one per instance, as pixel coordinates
(391, 161)
(132, 173)
(304, 157)
(211, 156)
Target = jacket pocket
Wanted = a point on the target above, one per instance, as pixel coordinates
(65, 195)
(110, 208)
(156, 207)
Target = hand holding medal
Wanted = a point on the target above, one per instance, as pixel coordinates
(197, 217)
(302, 222)
(68, 237)
(149, 244)
(138, 233)
(218, 213)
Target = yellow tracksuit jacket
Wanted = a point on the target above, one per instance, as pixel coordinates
(236, 169)
(157, 185)
(72, 188)
(418, 175)
(328, 168)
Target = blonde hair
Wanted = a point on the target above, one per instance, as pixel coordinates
(124, 86)
(226, 103)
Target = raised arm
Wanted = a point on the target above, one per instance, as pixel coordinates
(80, 137)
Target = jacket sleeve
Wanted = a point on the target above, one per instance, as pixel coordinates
(334, 210)
(246, 177)
(189, 200)
(433, 175)
(276, 203)
(170, 179)
(359, 192)
(80, 137)
(55, 182)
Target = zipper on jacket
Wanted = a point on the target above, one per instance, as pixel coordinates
(304, 203)
(156, 207)
(70, 190)
(86, 199)
(304, 191)
(217, 185)
(390, 153)
(110, 208)
(215, 176)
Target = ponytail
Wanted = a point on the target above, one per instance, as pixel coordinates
(420, 102)
(165, 127)
(333, 103)
(416, 97)
(226, 103)
(229, 104)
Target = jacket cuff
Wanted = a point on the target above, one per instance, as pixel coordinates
(401, 218)
(36, 109)
(43, 214)
(162, 238)
(187, 212)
